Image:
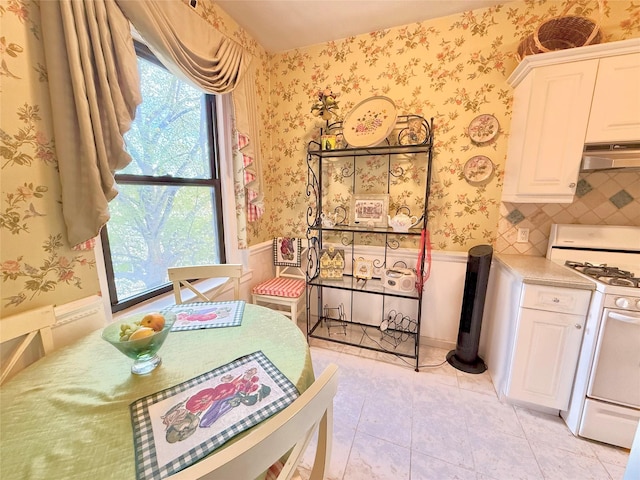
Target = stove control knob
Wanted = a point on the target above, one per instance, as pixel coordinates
(622, 302)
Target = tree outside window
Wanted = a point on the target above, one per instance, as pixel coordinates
(168, 211)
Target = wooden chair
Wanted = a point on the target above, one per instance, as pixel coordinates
(28, 324)
(183, 276)
(289, 430)
(286, 292)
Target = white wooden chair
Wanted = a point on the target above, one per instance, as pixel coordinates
(286, 292)
(183, 276)
(290, 429)
(28, 325)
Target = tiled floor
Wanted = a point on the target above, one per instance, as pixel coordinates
(391, 423)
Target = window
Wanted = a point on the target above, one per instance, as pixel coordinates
(169, 209)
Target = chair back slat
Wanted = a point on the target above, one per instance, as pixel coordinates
(28, 324)
(183, 276)
(289, 430)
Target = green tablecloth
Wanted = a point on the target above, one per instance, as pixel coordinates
(67, 415)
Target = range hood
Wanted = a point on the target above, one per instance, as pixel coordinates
(611, 156)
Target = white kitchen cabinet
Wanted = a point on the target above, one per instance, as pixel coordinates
(615, 110)
(550, 113)
(563, 100)
(544, 357)
(531, 338)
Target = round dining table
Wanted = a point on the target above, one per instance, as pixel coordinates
(67, 415)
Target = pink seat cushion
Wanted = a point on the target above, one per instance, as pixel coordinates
(281, 287)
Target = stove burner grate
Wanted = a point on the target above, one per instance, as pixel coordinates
(606, 274)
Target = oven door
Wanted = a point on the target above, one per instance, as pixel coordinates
(615, 376)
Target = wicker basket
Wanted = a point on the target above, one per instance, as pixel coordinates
(561, 32)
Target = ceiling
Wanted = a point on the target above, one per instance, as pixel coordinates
(280, 25)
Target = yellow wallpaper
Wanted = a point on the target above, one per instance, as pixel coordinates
(37, 265)
(453, 69)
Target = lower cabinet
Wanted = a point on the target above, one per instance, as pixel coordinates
(531, 338)
(545, 356)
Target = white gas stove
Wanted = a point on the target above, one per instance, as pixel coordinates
(605, 403)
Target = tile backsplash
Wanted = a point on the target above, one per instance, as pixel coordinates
(602, 198)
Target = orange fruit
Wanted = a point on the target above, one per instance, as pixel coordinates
(153, 320)
(142, 332)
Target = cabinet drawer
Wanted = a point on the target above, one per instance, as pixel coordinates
(555, 299)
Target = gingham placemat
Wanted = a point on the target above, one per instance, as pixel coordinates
(197, 315)
(176, 427)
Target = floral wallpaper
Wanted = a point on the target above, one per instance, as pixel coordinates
(453, 69)
(37, 265)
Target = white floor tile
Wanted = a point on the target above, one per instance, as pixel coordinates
(559, 464)
(486, 413)
(503, 456)
(616, 472)
(424, 467)
(387, 419)
(610, 454)
(375, 459)
(551, 429)
(391, 423)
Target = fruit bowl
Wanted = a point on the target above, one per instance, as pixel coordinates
(143, 349)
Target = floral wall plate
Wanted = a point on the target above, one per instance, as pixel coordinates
(478, 169)
(370, 122)
(483, 128)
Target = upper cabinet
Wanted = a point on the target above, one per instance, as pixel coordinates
(615, 110)
(563, 100)
(550, 114)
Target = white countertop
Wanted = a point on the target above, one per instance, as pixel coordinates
(541, 271)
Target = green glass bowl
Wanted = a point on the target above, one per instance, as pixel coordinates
(144, 351)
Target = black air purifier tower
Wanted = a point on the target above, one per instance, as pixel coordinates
(465, 356)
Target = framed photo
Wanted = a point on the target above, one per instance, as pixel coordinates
(363, 268)
(287, 251)
(369, 210)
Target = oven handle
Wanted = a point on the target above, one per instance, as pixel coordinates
(624, 318)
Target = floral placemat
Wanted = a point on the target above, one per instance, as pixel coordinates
(176, 427)
(197, 315)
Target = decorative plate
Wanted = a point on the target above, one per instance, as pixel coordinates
(478, 169)
(483, 128)
(370, 122)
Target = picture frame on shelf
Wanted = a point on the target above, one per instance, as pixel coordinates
(369, 210)
(331, 263)
(363, 269)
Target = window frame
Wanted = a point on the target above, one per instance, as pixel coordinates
(214, 183)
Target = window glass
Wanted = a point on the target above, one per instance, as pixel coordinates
(168, 210)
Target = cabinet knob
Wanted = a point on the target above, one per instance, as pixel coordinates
(572, 185)
(578, 326)
(555, 300)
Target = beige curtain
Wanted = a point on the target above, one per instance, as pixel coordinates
(94, 87)
(93, 79)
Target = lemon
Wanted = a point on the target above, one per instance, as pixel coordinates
(142, 332)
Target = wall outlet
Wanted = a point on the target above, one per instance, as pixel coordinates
(523, 235)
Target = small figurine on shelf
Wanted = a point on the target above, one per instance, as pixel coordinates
(325, 105)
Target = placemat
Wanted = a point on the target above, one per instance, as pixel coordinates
(176, 427)
(197, 315)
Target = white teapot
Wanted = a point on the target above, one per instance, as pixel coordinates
(402, 222)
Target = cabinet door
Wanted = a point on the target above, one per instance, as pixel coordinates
(615, 113)
(550, 115)
(545, 357)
